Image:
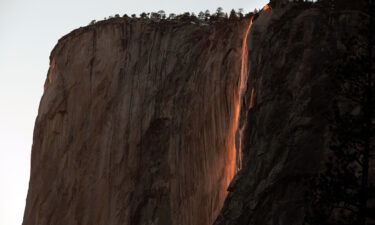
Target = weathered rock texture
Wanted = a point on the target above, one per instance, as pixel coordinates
(136, 125)
(284, 113)
(138, 121)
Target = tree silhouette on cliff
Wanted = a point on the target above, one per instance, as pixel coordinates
(204, 18)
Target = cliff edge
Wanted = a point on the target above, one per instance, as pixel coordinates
(136, 124)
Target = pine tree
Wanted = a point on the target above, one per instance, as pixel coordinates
(233, 15)
(207, 14)
(201, 15)
(219, 12)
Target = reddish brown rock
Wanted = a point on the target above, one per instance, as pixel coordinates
(136, 125)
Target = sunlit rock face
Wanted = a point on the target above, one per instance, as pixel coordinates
(136, 125)
(284, 112)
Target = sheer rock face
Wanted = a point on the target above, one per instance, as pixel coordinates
(138, 120)
(136, 125)
(284, 113)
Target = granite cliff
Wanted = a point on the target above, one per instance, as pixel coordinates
(147, 122)
(137, 124)
(285, 110)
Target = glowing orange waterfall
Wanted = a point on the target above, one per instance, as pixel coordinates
(243, 81)
(234, 154)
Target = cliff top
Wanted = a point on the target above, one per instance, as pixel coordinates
(180, 20)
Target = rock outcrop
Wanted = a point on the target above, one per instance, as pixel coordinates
(137, 124)
(284, 119)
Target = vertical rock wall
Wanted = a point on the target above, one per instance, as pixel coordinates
(136, 124)
(284, 111)
(140, 121)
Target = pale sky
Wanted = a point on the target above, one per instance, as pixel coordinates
(29, 29)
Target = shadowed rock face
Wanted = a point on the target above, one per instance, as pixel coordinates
(136, 125)
(283, 119)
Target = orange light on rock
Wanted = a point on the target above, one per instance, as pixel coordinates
(233, 154)
(266, 7)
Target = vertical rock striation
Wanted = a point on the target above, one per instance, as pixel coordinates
(136, 124)
(141, 121)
